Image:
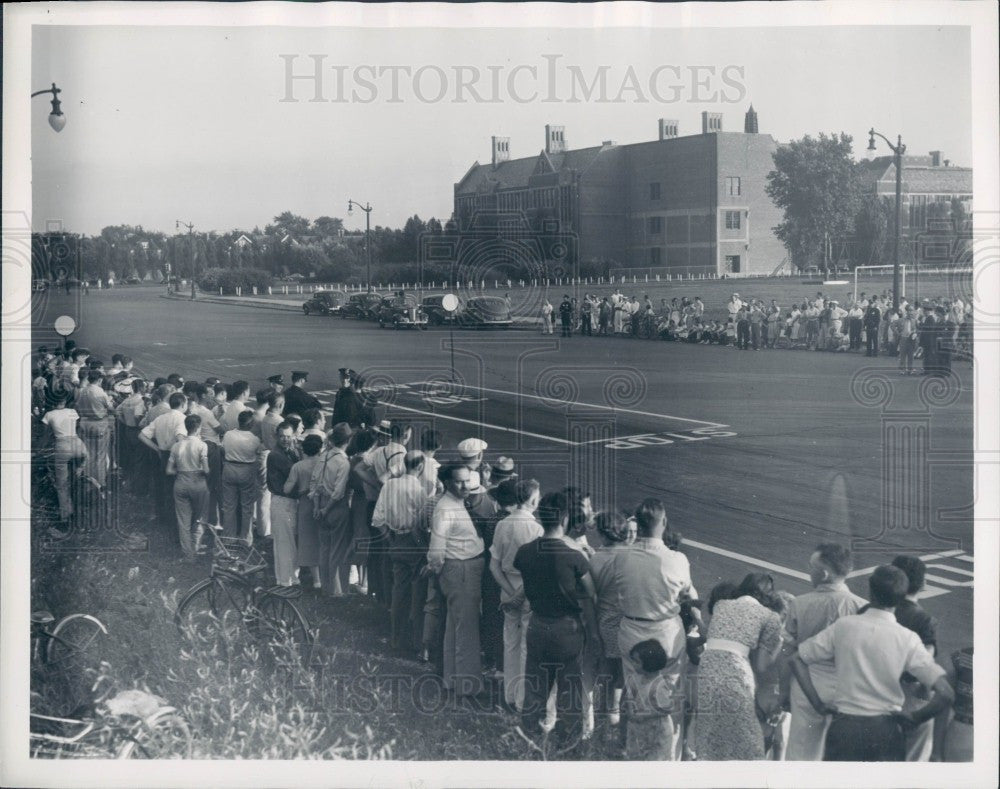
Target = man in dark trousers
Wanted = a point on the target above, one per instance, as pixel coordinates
(347, 406)
(566, 315)
(944, 331)
(872, 320)
(928, 340)
(297, 399)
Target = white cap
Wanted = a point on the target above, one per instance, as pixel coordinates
(471, 447)
(475, 483)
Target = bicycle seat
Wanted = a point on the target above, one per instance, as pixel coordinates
(42, 618)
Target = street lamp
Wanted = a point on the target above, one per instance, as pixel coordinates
(56, 118)
(897, 151)
(177, 226)
(351, 205)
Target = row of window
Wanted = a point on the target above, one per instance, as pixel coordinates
(734, 188)
(654, 224)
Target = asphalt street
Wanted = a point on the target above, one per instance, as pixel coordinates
(758, 456)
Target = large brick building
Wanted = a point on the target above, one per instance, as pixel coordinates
(693, 204)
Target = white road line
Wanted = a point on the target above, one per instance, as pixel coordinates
(587, 405)
(956, 570)
(478, 424)
(947, 581)
(942, 555)
(965, 558)
(747, 559)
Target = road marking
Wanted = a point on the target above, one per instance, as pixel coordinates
(478, 424)
(747, 559)
(616, 409)
(950, 584)
(956, 570)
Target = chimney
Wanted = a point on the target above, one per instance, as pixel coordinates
(935, 158)
(750, 121)
(711, 122)
(947, 162)
(501, 150)
(555, 139)
(668, 128)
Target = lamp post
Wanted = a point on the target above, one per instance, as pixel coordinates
(190, 227)
(56, 118)
(897, 151)
(351, 205)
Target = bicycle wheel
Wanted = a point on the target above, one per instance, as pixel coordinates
(211, 607)
(76, 635)
(163, 735)
(277, 623)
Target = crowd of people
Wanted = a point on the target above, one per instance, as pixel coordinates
(575, 614)
(935, 329)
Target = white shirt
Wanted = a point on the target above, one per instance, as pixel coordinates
(62, 421)
(517, 529)
(166, 429)
(401, 504)
(387, 461)
(870, 652)
(650, 578)
(430, 475)
(453, 534)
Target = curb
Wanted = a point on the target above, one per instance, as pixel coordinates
(522, 325)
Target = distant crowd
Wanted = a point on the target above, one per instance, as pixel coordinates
(579, 616)
(935, 329)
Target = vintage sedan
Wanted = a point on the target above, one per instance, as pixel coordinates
(437, 315)
(482, 312)
(363, 306)
(325, 302)
(402, 310)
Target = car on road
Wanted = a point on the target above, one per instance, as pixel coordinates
(481, 312)
(133, 281)
(402, 310)
(39, 284)
(325, 302)
(437, 315)
(363, 306)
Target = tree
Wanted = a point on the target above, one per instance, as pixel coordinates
(328, 227)
(872, 231)
(816, 183)
(287, 222)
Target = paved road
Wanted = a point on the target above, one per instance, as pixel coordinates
(758, 456)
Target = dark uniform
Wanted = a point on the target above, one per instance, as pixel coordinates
(566, 314)
(348, 407)
(297, 399)
(872, 320)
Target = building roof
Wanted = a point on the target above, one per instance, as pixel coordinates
(919, 176)
(516, 172)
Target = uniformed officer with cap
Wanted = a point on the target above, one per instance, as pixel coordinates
(297, 399)
(471, 451)
(212, 381)
(347, 405)
(277, 383)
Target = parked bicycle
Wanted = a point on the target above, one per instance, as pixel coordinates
(73, 636)
(232, 597)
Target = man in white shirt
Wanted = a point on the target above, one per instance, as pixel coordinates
(870, 652)
(734, 305)
(235, 405)
(400, 512)
(188, 464)
(62, 421)
(456, 555)
(160, 435)
(518, 528)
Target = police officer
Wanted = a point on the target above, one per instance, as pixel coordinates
(471, 452)
(347, 405)
(872, 319)
(297, 399)
(277, 383)
(566, 315)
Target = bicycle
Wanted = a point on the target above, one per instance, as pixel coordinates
(232, 596)
(132, 725)
(73, 635)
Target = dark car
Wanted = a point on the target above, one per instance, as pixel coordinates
(324, 302)
(363, 306)
(133, 281)
(437, 315)
(485, 312)
(402, 310)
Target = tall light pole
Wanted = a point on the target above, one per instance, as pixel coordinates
(351, 205)
(190, 227)
(56, 118)
(897, 151)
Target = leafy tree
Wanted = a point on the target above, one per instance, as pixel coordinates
(816, 183)
(327, 227)
(287, 222)
(872, 231)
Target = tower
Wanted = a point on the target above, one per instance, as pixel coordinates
(750, 121)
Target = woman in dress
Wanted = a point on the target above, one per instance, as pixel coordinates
(613, 532)
(727, 726)
(296, 487)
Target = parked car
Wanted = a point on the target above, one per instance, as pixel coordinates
(133, 281)
(402, 310)
(485, 312)
(362, 306)
(39, 284)
(436, 314)
(324, 302)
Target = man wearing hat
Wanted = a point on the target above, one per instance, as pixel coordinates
(277, 383)
(297, 399)
(471, 451)
(485, 513)
(501, 471)
(347, 405)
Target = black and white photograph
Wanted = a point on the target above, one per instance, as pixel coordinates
(500, 394)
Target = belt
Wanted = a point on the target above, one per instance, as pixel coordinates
(652, 621)
(536, 615)
(725, 645)
(243, 462)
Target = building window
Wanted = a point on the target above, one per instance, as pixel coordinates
(732, 220)
(733, 186)
(654, 225)
(654, 256)
(732, 264)
(654, 191)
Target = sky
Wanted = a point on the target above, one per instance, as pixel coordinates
(200, 124)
